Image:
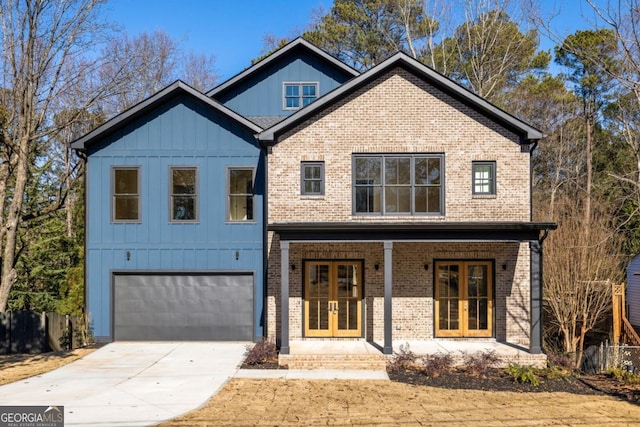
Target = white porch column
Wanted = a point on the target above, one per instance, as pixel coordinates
(388, 269)
(284, 297)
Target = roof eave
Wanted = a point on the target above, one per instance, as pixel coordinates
(421, 231)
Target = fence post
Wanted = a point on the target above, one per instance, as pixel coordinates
(68, 329)
(616, 294)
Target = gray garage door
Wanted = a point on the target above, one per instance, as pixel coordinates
(183, 307)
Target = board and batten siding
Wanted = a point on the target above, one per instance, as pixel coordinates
(633, 291)
(181, 132)
(260, 95)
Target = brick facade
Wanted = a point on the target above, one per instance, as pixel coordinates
(413, 289)
(400, 113)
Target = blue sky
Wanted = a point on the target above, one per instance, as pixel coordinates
(233, 30)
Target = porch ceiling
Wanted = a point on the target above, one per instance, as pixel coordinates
(423, 231)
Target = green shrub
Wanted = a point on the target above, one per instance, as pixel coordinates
(555, 372)
(624, 376)
(523, 374)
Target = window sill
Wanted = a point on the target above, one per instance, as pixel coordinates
(312, 197)
(484, 196)
(402, 217)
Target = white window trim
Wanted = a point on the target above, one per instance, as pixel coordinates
(493, 188)
(300, 84)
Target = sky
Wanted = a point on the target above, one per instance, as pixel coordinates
(233, 30)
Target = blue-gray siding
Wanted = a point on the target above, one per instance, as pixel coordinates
(260, 95)
(181, 132)
(633, 291)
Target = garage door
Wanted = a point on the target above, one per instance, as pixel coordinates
(183, 307)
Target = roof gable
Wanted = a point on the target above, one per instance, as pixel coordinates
(175, 89)
(276, 57)
(526, 132)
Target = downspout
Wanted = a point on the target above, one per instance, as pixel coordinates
(85, 313)
(531, 150)
(265, 219)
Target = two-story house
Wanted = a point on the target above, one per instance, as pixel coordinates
(303, 201)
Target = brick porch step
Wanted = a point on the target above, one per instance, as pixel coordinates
(334, 361)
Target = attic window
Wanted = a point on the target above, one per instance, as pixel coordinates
(299, 94)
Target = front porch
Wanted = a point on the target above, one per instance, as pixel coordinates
(365, 355)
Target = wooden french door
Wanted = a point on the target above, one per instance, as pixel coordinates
(333, 299)
(464, 299)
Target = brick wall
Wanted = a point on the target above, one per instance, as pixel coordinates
(413, 293)
(398, 113)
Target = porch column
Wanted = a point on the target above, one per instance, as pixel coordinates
(284, 297)
(388, 269)
(535, 339)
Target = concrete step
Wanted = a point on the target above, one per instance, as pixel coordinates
(334, 361)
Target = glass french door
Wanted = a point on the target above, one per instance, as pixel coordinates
(333, 299)
(464, 299)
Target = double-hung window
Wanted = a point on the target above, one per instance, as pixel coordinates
(398, 184)
(299, 94)
(240, 191)
(125, 188)
(184, 194)
(484, 178)
(312, 178)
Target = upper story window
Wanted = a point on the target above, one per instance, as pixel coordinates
(240, 194)
(184, 194)
(391, 184)
(312, 178)
(300, 94)
(484, 178)
(125, 205)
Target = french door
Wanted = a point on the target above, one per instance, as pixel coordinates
(333, 299)
(464, 299)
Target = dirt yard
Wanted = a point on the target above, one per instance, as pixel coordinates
(15, 367)
(246, 402)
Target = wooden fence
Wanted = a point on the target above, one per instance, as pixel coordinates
(29, 332)
(623, 332)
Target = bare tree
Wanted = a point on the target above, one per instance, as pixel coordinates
(199, 71)
(39, 38)
(146, 63)
(579, 268)
(622, 18)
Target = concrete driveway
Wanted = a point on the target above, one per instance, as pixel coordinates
(132, 383)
